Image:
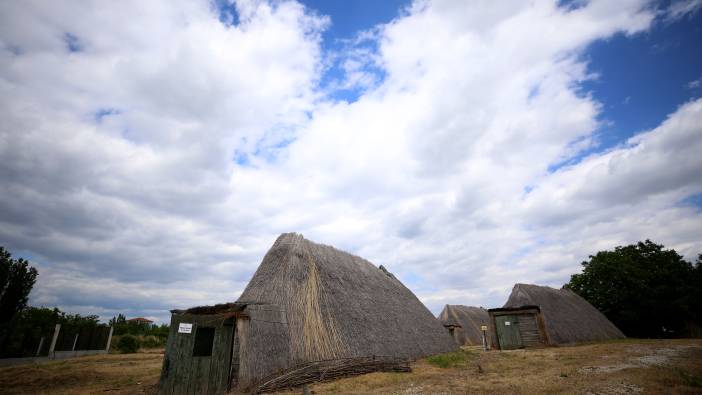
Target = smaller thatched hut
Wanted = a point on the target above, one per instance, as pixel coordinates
(539, 315)
(464, 322)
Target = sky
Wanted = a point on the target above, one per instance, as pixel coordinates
(151, 152)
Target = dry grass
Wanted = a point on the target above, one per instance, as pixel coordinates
(111, 373)
(616, 367)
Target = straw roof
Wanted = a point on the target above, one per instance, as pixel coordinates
(467, 321)
(310, 302)
(568, 317)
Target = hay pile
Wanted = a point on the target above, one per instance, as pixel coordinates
(466, 321)
(309, 302)
(568, 318)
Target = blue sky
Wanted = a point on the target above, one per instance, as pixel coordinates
(645, 77)
(348, 19)
(462, 145)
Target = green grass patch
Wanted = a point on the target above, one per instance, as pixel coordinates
(451, 359)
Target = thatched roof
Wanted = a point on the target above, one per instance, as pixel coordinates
(568, 317)
(466, 321)
(316, 302)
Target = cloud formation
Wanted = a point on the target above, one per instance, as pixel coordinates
(149, 165)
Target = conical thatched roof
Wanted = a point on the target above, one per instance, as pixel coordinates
(466, 321)
(311, 302)
(568, 317)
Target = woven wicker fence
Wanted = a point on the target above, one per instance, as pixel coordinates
(331, 369)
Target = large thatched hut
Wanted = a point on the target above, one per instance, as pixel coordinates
(536, 315)
(308, 307)
(464, 323)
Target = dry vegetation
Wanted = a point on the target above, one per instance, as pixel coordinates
(104, 374)
(618, 367)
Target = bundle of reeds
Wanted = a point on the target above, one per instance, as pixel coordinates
(331, 369)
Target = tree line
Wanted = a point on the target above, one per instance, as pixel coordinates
(17, 278)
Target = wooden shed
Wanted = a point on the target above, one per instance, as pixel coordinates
(517, 327)
(198, 357)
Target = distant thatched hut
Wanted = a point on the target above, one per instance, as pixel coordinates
(464, 322)
(308, 305)
(535, 315)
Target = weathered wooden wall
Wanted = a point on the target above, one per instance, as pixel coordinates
(264, 344)
(529, 331)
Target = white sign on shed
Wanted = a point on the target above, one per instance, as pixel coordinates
(185, 328)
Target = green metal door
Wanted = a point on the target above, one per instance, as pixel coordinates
(508, 332)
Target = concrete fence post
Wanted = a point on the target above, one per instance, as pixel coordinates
(109, 340)
(41, 343)
(75, 341)
(53, 340)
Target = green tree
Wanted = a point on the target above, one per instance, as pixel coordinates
(119, 320)
(16, 281)
(644, 289)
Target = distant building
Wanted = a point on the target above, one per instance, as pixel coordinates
(141, 320)
(464, 323)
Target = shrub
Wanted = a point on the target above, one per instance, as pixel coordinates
(150, 342)
(128, 344)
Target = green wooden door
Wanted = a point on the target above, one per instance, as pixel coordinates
(508, 332)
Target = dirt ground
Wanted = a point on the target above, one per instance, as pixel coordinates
(619, 367)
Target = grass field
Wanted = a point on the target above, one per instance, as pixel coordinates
(619, 367)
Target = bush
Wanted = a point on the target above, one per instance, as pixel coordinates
(128, 344)
(150, 342)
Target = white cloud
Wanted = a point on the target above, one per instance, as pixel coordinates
(427, 173)
(681, 8)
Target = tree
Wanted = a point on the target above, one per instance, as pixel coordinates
(119, 320)
(16, 281)
(642, 288)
